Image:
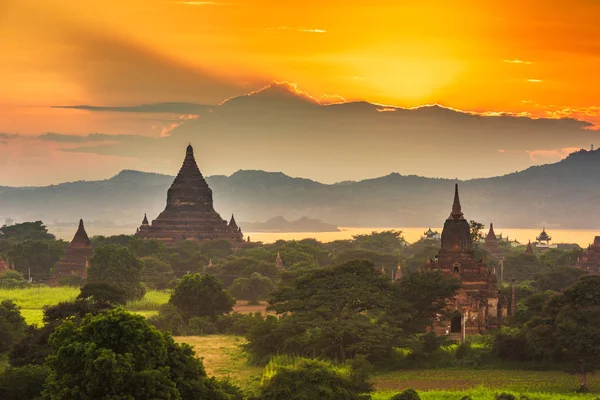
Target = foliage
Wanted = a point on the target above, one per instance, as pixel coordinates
(382, 242)
(169, 320)
(201, 296)
(156, 274)
(408, 394)
(571, 321)
(12, 279)
(103, 293)
(253, 289)
(118, 355)
(307, 379)
(557, 279)
(36, 257)
(71, 280)
(26, 231)
(243, 267)
(476, 229)
(118, 266)
(12, 325)
(23, 383)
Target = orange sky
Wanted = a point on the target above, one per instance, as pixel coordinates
(535, 57)
(403, 53)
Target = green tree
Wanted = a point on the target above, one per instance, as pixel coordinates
(382, 242)
(156, 274)
(329, 311)
(253, 289)
(119, 355)
(571, 321)
(103, 293)
(23, 383)
(12, 279)
(201, 296)
(476, 230)
(26, 231)
(36, 257)
(308, 379)
(12, 325)
(117, 266)
(419, 299)
(243, 267)
(557, 279)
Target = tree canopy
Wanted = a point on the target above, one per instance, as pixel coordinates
(199, 295)
(118, 266)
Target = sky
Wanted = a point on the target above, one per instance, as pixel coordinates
(519, 59)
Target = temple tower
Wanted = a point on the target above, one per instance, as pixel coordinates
(475, 307)
(279, 261)
(77, 255)
(189, 213)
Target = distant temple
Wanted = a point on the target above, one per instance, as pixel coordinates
(75, 261)
(492, 243)
(431, 235)
(590, 260)
(476, 305)
(529, 249)
(279, 261)
(189, 214)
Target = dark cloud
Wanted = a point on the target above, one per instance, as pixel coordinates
(8, 136)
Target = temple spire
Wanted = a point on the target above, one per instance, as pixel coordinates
(278, 261)
(232, 223)
(456, 208)
(145, 220)
(81, 235)
(529, 249)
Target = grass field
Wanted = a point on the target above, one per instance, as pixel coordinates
(32, 301)
(224, 358)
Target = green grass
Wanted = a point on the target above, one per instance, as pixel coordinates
(468, 379)
(37, 297)
(222, 357)
(32, 300)
(150, 302)
(484, 393)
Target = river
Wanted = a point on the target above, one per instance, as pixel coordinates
(582, 237)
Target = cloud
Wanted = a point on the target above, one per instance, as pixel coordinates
(550, 156)
(165, 130)
(331, 99)
(8, 136)
(517, 62)
(535, 80)
(294, 29)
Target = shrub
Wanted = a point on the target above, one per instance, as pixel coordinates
(505, 396)
(201, 326)
(168, 320)
(23, 383)
(71, 280)
(12, 279)
(104, 293)
(201, 296)
(408, 394)
(307, 379)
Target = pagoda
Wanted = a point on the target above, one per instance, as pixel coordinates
(544, 237)
(590, 260)
(475, 306)
(492, 243)
(78, 253)
(189, 213)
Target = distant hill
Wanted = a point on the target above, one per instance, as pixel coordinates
(565, 194)
(280, 224)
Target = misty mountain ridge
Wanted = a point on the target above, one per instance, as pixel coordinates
(564, 194)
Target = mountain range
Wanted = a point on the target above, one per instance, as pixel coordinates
(565, 194)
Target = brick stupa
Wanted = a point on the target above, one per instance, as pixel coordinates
(189, 214)
(76, 258)
(590, 260)
(475, 306)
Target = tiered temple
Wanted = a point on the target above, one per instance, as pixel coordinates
(590, 260)
(476, 304)
(78, 253)
(189, 214)
(492, 243)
